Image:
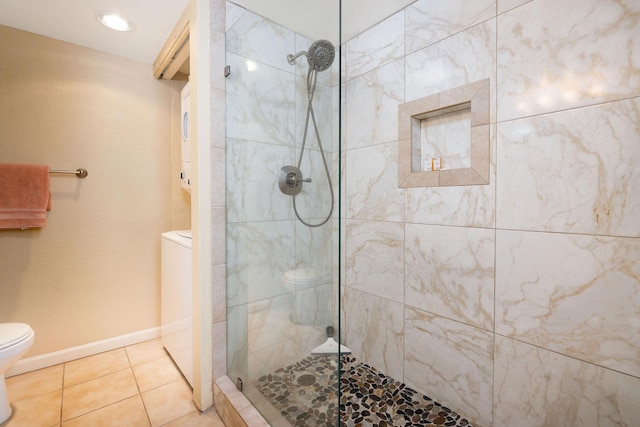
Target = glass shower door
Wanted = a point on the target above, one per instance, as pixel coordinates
(282, 162)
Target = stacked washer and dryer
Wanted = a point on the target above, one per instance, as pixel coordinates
(176, 287)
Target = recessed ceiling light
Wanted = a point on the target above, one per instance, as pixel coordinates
(114, 21)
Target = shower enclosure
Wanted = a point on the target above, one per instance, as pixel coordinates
(282, 163)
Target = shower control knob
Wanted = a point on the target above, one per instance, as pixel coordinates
(290, 180)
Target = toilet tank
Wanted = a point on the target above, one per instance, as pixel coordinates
(176, 302)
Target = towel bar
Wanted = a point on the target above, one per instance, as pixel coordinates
(80, 172)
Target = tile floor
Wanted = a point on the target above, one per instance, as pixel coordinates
(132, 386)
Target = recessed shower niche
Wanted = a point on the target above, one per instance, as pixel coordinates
(444, 138)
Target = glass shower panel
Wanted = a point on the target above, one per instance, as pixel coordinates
(282, 260)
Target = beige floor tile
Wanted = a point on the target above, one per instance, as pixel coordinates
(89, 368)
(126, 413)
(35, 383)
(145, 351)
(168, 402)
(102, 391)
(41, 411)
(209, 418)
(98, 393)
(155, 373)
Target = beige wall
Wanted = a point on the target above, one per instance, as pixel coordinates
(93, 272)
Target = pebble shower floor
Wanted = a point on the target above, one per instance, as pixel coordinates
(305, 394)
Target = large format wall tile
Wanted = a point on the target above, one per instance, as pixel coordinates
(323, 111)
(472, 206)
(218, 176)
(252, 181)
(539, 388)
(377, 46)
(219, 343)
(372, 184)
(429, 21)
(576, 295)
(463, 58)
(314, 246)
(372, 105)
(313, 203)
(464, 205)
(450, 272)
(233, 13)
(375, 258)
(450, 362)
(272, 335)
(374, 330)
(574, 53)
(252, 36)
(269, 322)
(338, 119)
(261, 102)
(256, 259)
(237, 340)
(574, 171)
(504, 5)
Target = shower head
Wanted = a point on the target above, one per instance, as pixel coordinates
(320, 55)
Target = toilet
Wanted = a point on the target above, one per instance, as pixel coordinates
(311, 293)
(15, 340)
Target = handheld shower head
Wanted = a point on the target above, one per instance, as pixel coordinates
(321, 54)
(320, 57)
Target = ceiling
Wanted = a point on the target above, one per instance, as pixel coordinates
(74, 20)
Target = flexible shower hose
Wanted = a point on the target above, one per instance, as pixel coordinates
(311, 87)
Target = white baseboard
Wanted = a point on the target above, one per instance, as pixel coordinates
(61, 356)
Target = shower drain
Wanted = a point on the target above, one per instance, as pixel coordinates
(306, 380)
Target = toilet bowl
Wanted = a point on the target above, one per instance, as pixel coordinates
(15, 340)
(311, 295)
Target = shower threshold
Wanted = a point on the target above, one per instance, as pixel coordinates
(305, 394)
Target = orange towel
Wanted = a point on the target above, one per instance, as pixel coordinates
(24, 196)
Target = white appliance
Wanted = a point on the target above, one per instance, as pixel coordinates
(176, 303)
(185, 151)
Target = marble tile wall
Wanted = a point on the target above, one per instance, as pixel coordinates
(266, 104)
(516, 302)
